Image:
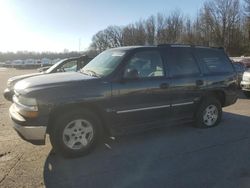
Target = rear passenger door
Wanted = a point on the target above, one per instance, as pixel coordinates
(187, 82)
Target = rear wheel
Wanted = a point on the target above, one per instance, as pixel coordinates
(209, 113)
(75, 134)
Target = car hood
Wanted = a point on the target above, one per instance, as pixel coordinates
(17, 78)
(50, 80)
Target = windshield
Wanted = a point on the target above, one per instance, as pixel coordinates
(104, 64)
(54, 66)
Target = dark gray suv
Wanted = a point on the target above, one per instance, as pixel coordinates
(122, 90)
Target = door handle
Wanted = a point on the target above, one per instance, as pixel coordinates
(164, 86)
(199, 82)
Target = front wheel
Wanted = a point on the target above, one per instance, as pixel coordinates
(75, 134)
(209, 113)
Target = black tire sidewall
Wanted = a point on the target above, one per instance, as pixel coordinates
(204, 104)
(57, 134)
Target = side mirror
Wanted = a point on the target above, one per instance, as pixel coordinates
(131, 74)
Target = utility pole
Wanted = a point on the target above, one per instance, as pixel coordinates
(79, 44)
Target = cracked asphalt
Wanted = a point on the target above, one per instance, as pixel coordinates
(173, 156)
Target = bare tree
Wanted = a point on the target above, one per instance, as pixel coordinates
(150, 27)
(99, 41)
(114, 35)
(188, 32)
(247, 10)
(174, 27)
(160, 30)
(110, 37)
(220, 19)
(134, 34)
(218, 23)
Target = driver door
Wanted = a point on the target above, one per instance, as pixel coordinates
(142, 96)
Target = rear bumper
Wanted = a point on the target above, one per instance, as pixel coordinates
(33, 134)
(8, 94)
(231, 96)
(245, 85)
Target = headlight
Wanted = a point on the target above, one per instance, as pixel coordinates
(27, 101)
(26, 106)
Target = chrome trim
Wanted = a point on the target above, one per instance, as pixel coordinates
(142, 109)
(182, 104)
(14, 114)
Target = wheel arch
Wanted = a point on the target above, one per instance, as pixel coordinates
(218, 94)
(57, 111)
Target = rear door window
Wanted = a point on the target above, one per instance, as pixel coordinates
(182, 63)
(214, 61)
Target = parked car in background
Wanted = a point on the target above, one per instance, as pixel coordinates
(123, 90)
(240, 69)
(245, 83)
(65, 65)
(43, 69)
(246, 62)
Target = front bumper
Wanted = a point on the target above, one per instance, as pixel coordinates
(33, 134)
(245, 85)
(8, 94)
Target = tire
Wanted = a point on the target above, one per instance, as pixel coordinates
(209, 113)
(247, 94)
(75, 134)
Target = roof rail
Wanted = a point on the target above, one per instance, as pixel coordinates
(187, 45)
(174, 45)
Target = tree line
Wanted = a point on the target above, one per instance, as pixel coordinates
(219, 23)
(22, 55)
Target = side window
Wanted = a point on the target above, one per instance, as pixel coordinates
(182, 63)
(214, 61)
(144, 64)
(70, 66)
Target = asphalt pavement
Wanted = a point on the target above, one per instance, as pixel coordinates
(173, 156)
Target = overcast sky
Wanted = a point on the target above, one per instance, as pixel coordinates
(53, 25)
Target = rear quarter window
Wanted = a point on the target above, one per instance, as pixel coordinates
(214, 61)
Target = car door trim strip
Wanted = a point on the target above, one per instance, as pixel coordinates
(153, 107)
(142, 109)
(182, 104)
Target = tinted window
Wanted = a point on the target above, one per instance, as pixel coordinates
(145, 64)
(182, 63)
(70, 66)
(214, 61)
